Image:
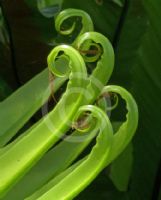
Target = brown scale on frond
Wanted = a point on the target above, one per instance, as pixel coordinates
(51, 84)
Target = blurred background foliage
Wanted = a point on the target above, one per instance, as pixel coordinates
(27, 34)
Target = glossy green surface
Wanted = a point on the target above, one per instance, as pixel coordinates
(81, 89)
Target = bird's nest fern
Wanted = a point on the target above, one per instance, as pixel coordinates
(34, 165)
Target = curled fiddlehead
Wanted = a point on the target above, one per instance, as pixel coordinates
(88, 169)
(87, 24)
(119, 141)
(8, 110)
(31, 147)
(97, 80)
(126, 131)
(104, 55)
(62, 17)
(93, 47)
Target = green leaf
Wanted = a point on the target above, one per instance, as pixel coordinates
(147, 90)
(138, 68)
(17, 109)
(132, 27)
(120, 170)
(127, 46)
(45, 169)
(105, 16)
(5, 90)
(4, 38)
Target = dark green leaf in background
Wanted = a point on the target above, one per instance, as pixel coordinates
(147, 91)
(120, 170)
(5, 60)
